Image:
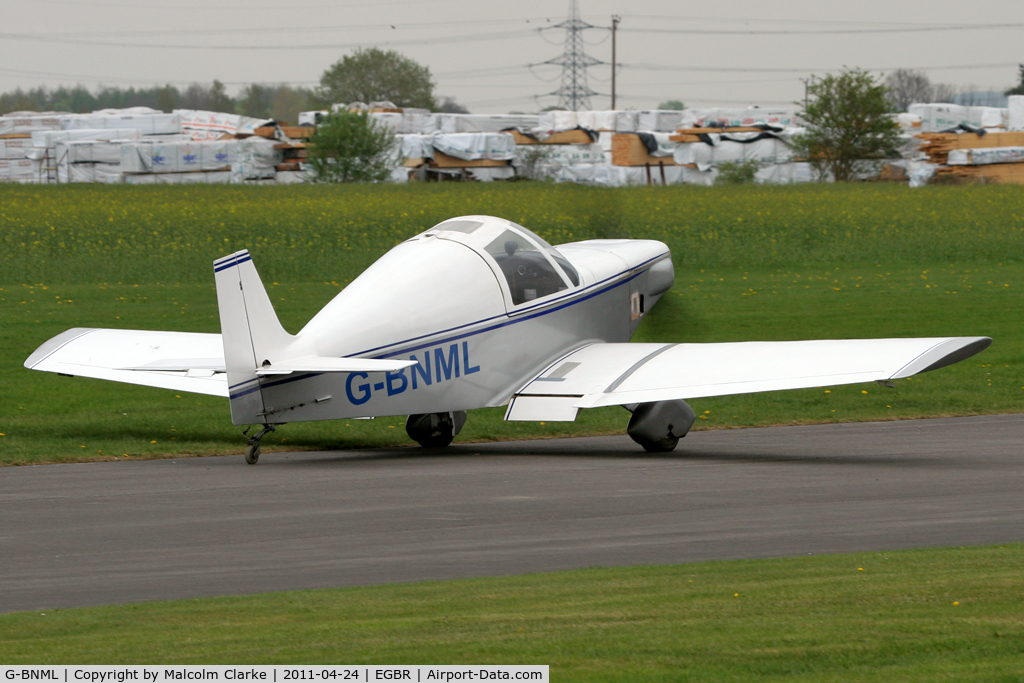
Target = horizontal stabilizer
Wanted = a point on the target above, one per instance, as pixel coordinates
(623, 374)
(321, 364)
(182, 361)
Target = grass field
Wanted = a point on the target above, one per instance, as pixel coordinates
(921, 615)
(752, 263)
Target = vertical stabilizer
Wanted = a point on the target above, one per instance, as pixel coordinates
(250, 331)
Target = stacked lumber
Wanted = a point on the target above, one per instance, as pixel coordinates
(966, 168)
(442, 160)
(693, 134)
(937, 146)
(291, 132)
(577, 136)
(293, 155)
(629, 150)
(1009, 174)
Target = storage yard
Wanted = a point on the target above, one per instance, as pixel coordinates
(608, 148)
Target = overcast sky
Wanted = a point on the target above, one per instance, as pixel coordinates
(487, 54)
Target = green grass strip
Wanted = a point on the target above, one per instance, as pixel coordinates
(919, 615)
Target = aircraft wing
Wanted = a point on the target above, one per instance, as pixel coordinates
(183, 361)
(623, 374)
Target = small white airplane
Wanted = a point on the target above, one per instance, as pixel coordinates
(476, 311)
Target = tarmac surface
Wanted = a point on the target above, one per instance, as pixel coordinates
(116, 532)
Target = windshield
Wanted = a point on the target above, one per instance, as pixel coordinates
(519, 253)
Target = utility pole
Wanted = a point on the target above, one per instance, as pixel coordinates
(807, 83)
(615, 24)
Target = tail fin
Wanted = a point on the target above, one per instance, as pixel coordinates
(250, 331)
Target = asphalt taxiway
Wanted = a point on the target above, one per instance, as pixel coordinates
(115, 532)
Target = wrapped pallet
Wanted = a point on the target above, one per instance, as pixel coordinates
(50, 138)
(556, 120)
(776, 117)
(1015, 113)
(659, 120)
(484, 123)
(474, 146)
(27, 124)
(149, 124)
(982, 156)
(14, 148)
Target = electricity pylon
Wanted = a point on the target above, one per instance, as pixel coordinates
(574, 93)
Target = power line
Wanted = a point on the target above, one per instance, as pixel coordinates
(469, 38)
(791, 32)
(747, 69)
(270, 29)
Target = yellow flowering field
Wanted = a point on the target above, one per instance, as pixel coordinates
(165, 234)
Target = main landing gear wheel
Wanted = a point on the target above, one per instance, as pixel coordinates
(658, 426)
(435, 430)
(252, 451)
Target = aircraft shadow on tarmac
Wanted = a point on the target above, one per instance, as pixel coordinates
(566, 449)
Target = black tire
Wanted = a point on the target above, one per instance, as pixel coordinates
(431, 430)
(666, 445)
(252, 453)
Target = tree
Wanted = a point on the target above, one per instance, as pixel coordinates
(219, 98)
(676, 105)
(849, 128)
(351, 147)
(943, 92)
(450, 106)
(1019, 88)
(375, 75)
(905, 87)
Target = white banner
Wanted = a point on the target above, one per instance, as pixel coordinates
(295, 673)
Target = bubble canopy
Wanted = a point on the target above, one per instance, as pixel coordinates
(532, 268)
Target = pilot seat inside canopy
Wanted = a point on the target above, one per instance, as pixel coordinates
(520, 255)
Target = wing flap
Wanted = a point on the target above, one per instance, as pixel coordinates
(620, 374)
(182, 361)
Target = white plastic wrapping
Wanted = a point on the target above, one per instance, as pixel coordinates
(50, 138)
(765, 151)
(14, 149)
(19, 125)
(473, 146)
(1015, 112)
(416, 146)
(179, 157)
(20, 170)
(986, 155)
(563, 155)
(937, 117)
(484, 123)
(557, 120)
(660, 120)
(418, 122)
(211, 125)
(89, 151)
(607, 120)
(733, 118)
(391, 120)
(309, 118)
(149, 124)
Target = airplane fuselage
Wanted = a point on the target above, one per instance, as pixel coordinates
(486, 351)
